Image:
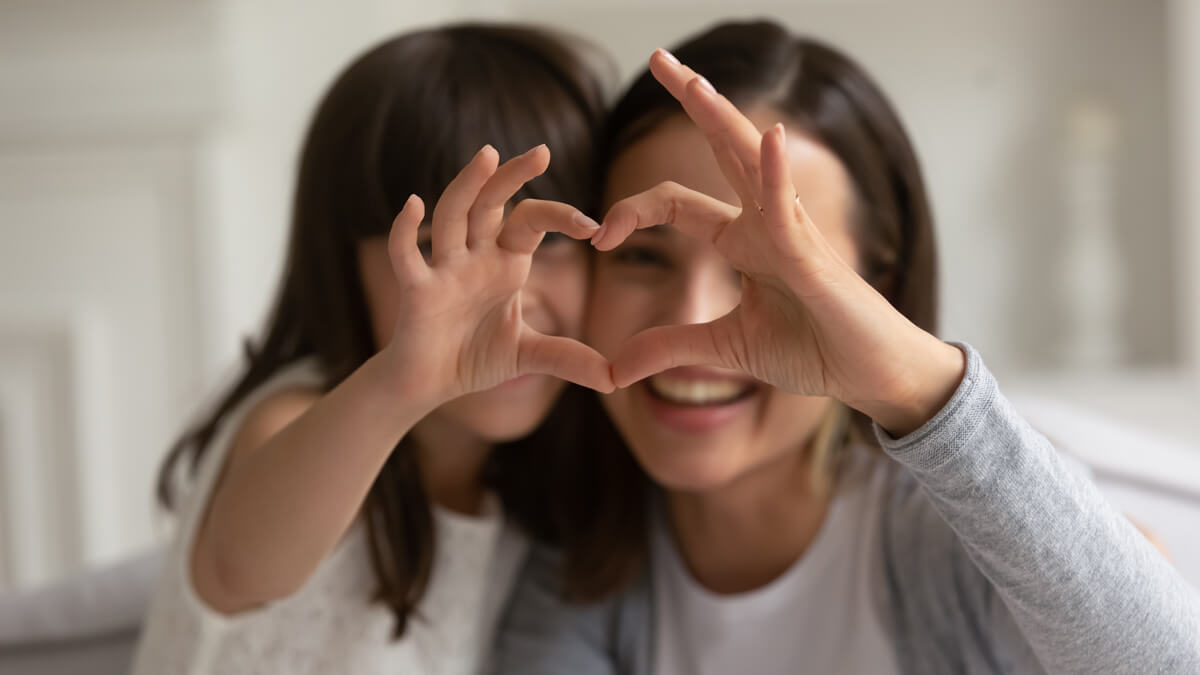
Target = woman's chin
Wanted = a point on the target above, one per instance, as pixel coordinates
(691, 470)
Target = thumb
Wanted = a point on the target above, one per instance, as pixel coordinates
(657, 349)
(564, 358)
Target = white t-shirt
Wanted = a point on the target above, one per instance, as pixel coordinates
(817, 617)
(331, 625)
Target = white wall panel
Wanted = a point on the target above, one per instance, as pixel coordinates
(106, 108)
(37, 464)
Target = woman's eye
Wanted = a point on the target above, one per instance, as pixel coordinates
(639, 256)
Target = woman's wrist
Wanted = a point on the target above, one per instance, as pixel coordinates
(933, 375)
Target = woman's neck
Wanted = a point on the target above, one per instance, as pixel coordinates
(744, 535)
(451, 462)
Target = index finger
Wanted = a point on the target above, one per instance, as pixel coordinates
(486, 217)
(733, 137)
(533, 218)
(667, 203)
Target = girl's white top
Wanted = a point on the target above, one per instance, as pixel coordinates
(331, 625)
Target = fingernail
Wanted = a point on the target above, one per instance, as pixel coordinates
(668, 56)
(599, 234)
(706, 84)
(582, 220)
(782, 132)
(540, 145)
(485, 147)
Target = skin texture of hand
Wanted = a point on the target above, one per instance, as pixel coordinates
(807, 322)
(460, 328)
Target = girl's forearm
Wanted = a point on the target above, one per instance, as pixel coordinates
(280, 509)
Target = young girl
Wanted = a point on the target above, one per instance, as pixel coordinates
(346, 512)
(748, 343)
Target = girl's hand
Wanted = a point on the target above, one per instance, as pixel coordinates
(460, 327)
(807, 322)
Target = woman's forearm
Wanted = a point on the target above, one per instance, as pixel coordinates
(1086, 589)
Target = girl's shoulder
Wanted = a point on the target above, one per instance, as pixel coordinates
(272, 411)
(266, 410)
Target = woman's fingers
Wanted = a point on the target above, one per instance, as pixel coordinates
(667, 203)
(486, 216)
(565, 359)
(733, 137)
(779, 200)
(402, 240)
(670, 73)
(450, 214)
(531, 219)
(664, 347)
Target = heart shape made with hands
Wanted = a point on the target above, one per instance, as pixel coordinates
(806, 323)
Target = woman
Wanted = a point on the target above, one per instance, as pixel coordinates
(750, 344)
(350, 509)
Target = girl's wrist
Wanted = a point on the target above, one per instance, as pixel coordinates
(402, 401)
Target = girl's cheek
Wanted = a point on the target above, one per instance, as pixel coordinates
(563, 273)
(617, 313)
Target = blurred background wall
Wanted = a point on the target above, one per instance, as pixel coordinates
(147, 153)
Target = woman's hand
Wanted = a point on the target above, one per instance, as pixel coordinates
(807, 322)
(460, 327)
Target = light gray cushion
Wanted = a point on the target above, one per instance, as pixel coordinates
(85, 624)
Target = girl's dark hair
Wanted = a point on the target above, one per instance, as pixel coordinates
(401, 119)
(829, 96)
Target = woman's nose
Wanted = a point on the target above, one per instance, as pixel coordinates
(705, 294)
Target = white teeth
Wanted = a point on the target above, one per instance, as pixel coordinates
(696, 392)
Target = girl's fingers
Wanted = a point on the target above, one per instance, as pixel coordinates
(531, 219)
(402, 239)
(565, 359)
(450, 214)
(486, 216)
(667, 203)
(663, 347)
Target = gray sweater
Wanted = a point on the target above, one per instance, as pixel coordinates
(995, 557)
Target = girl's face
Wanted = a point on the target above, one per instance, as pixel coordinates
(552, 302)
(698, 429)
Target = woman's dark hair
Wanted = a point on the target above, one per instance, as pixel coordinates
(401, 119)
(826, 94)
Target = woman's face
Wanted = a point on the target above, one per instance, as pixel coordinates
(697, 429)
(552, 302)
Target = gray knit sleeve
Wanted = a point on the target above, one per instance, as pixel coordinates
(1083, 587)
